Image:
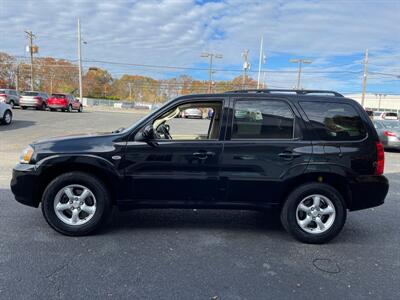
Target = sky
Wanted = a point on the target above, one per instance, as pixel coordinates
(122, 34)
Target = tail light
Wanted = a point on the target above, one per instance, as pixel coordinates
(37, 98)
(3, 97)
(380, 159)
(389, 133)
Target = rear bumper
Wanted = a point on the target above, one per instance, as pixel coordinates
(368, 191)
(56, 105)
(24, 184)
(30, 104)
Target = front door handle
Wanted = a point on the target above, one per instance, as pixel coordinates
(288, 155)
(203, 154)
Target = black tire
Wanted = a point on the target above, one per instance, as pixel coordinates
(80, 109)
(43, 107)
(7, 118)
(103, 203)
(52, 109)
(289, 211)
(12, 104)
(70, 108)
(23, 107)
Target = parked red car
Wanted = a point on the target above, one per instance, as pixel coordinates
(64, 102)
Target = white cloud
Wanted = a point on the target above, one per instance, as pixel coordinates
(175, 32)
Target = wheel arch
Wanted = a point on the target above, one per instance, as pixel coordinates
(337, 181)
(109, 178)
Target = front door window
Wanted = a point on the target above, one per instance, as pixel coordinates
(190, 122)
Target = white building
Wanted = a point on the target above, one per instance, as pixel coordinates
(378, 102)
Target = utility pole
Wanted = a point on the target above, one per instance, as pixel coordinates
(260, 61)
(300, 62)
(210, 71)
(80, 62)
(17, 77)
(130, 90)
(246, 66)
(31, 36)
(365, 76)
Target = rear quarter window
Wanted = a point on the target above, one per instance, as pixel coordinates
(334, 121)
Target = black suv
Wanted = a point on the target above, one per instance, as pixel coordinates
(311, 155)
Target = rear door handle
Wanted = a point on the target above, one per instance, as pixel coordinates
(203, 154)
(288, 155)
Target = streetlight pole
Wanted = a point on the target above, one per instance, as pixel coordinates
(210, 56)
(380, 98)
(300, 63)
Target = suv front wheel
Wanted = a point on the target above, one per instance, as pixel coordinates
(76, 204)
(314, 213)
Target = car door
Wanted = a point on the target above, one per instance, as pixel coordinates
(263, 148)
(175, 171)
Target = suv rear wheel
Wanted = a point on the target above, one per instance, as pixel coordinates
(76, 204)
(314, 213)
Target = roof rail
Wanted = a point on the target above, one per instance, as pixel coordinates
(298, 92)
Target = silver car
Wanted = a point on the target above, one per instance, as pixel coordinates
(192, 113)
(5, 113)
(9, 96)
(34, 99)
(389, 133)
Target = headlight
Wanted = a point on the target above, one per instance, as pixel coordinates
(26, 155)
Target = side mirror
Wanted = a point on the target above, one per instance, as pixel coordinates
(146, 134)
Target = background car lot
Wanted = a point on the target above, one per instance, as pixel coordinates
(186, 254)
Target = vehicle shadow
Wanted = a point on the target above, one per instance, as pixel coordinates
(17, 124)
(392, 150)
(193, 218)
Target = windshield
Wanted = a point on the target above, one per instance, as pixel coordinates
(392, 125)
(30, 93)
(2, 91)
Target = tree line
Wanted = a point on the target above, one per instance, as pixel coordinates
(53, 75)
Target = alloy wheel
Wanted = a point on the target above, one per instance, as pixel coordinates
(75, 204)
(315, 214)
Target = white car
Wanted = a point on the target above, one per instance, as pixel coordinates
(192, 113)
(389, 116)
(5, 113)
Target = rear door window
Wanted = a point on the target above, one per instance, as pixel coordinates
(262, 119)
(334, 121)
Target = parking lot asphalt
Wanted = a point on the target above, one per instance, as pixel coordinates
(186, 254)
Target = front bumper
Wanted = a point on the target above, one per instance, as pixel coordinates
(25, 185)
(368, 191)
